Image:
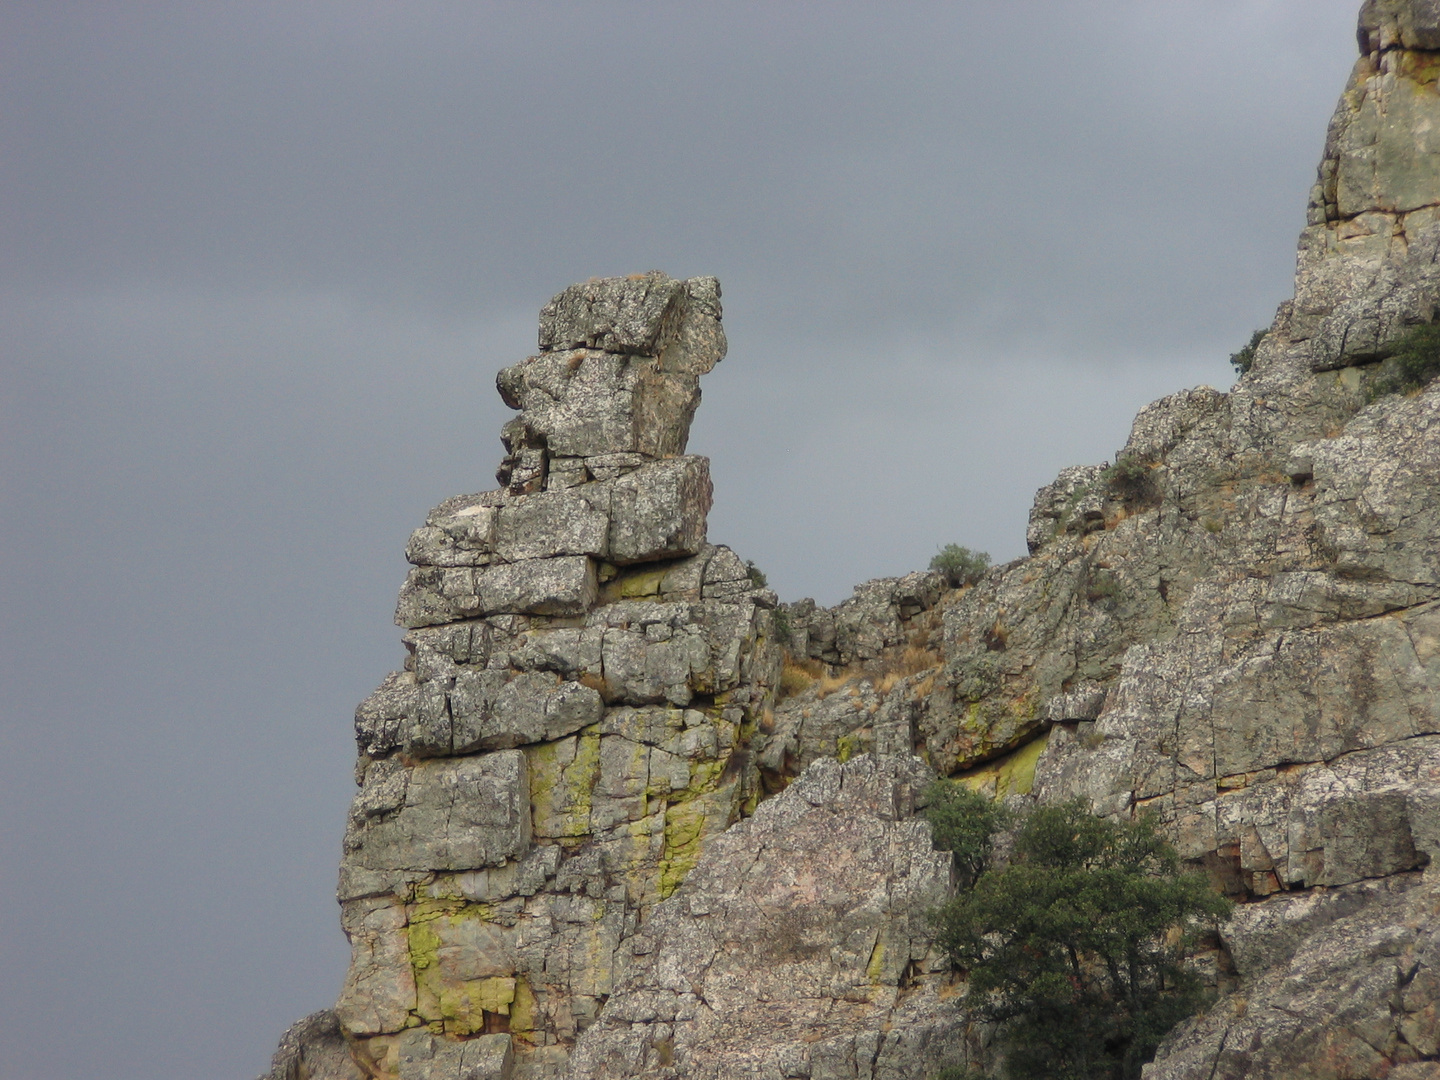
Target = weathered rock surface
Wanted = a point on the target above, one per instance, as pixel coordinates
(598, 814)
(314, 1049)
(572, 726)
(617, 379)
(1236, 627)
(1359, 996)
(798, 946)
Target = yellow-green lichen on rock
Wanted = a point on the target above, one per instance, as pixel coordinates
(576, 628)
(562, 784)
(705, 808)
(464, 965)
(1012, 774)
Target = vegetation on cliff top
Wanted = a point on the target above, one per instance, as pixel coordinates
(960, 565)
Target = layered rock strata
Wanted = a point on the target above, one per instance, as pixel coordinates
(572, 724)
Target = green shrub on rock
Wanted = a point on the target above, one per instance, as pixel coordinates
(1079, 947)
(960, 565)
(1243, 360)
(1414, 361)
(1129, 479)
(964, 822)
(959, 1072)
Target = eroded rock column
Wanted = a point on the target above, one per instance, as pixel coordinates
(572, 723)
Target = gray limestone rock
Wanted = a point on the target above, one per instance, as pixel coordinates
(659, 511)
(872, 621)
(618, 374)
(490, 710)
(798, 941)
(1408, 24)
(654, 511)
(1057, 507)
(636, 314)
(572, 726)
(560, 586)
(546, 524)
(1357, 997)
(421, 1056)
(1367, 267)
(644, 314)
(1258, 937)
(447, 814)
(314, 1049)
(379, 992)
(587, 403)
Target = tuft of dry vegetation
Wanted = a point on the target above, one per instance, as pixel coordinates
(912, 660)
(832, 681)
(596, 683)
(797, 676)
(923, 688)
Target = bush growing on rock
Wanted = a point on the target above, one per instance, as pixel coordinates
(781, 622)
(1243, 360)
(964, 822)
(1079, 946)
(1413, 363)
(959, 1072)
(1129, 478)
(960, 565)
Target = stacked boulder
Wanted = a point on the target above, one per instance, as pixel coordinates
(573, 721)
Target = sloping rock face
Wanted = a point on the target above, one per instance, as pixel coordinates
(1236, 627)
(798, 946)
(572, 724)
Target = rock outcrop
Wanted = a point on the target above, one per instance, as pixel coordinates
(572, 726)
(1237, 627)
(605, 830)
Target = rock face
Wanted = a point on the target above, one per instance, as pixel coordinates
(797, 947)
(605, 829)
(573, 723)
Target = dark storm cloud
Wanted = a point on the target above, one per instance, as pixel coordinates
(475, 155)
(259, 263)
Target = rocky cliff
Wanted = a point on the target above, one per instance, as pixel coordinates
(622, 815)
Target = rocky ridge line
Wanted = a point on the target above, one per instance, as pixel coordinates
(1236, 626)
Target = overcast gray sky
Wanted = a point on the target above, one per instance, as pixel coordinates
(259, 263)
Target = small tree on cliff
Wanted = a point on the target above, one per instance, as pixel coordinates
(960, 565)
(1079, 946)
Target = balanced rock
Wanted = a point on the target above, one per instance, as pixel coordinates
(572, 725)
(617, 380)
